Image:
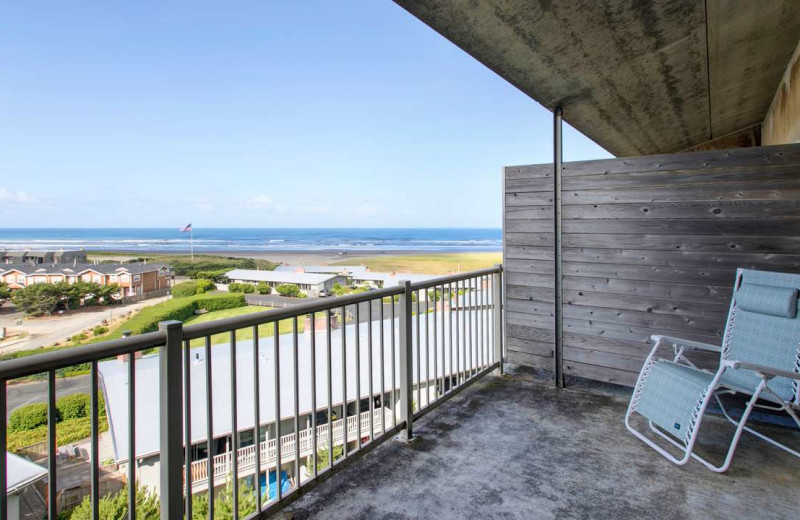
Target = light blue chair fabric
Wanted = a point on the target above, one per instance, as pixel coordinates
(763, 328)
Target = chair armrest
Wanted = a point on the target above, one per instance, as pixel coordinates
(685, 343)
(767, 371)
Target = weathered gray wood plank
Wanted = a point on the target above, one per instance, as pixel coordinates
(728, 261)
(707, 243)
(721, 210)
(667, 226)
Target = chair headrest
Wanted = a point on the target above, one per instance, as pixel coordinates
(767, 299)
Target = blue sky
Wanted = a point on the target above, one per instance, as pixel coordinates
(253, 114)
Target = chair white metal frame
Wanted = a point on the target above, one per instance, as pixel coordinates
(759, 357)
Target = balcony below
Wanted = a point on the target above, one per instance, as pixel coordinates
(515, 447)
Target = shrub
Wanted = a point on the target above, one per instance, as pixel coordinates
(28, 417)
(288, 289)
(77, 406)
(99, 330)
(205, 285)
(77, 338)
(263, 288)
(182, 290)
(181, 309)
(245, 288)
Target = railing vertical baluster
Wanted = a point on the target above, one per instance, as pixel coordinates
(406, 363)
(370, 373)
(468, 283)
(95, 445)
(458, 336)
(52, 478)
(435, 351)
(234, 429)
(330, 391)
(131, 435)
(344, 384)
(450, 328)
(257, 416)
(187, 427)
(170, 416)
(393, 363)
(427, 353)
(383, 369)
(497, 302)
(209, 431)
(314, 392)
(296, 353)
(4, 447)
(277, 376)
(418, 357)
(484, 343)
(358, 374)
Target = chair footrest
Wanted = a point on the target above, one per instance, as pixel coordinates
(670, 395)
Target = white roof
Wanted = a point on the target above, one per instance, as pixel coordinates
(391, 279)
(115, 384)
(278, 276)
(335, 269)
(22, 472)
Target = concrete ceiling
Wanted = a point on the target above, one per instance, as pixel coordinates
(636, 76)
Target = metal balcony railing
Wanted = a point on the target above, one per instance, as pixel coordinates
(428, 341)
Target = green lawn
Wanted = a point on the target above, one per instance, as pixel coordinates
(434, 263)
(264, 331)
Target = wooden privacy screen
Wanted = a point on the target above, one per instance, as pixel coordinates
(650, 246)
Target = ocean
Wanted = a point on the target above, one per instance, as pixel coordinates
(253, 239)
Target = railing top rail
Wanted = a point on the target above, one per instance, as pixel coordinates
(38, 363)
(210, 328)
(434, 282)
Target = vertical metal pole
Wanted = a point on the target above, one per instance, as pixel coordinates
(170, 415)
(406, 363)
(296, 377)
(131, 435)
(370, 374)
(4, 457)
(497, 303)
(394, 380)
(52, 465)
(276, 356)
(257, 417)
(559, 294)
(330, 390)
(344, 384)
(187, 427)
(95, 444)
(234, 429)
(383, 377)
(211, 474)
(314, 393)
(358, 374)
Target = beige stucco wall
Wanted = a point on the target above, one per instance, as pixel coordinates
(782, 122)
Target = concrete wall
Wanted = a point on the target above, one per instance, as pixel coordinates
(782, 122)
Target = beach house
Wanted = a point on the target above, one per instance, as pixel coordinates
(133, 279)
(308, 283)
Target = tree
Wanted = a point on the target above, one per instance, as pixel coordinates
(5, 292)
(114, 506)
(223, 503)
(263, 288)
(323, 458)
(39, 299)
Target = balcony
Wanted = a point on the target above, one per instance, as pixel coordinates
(516, 447)
(190, 416)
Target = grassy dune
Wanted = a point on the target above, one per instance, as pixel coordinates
(435, 263)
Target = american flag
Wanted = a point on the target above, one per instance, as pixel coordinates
(186, 228)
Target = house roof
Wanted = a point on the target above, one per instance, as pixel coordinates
(390, 279)
(78, 269)
(333, 269)
(21, 472)
(255, 275)
(114, 381)
(643, 77)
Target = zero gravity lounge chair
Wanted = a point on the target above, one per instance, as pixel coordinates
(759, 357)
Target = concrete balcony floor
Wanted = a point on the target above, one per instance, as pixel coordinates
(515, 447)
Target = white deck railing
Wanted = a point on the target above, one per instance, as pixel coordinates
(223, 463)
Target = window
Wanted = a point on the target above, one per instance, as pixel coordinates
(136, 278)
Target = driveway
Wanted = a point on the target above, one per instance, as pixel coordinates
(36, 391)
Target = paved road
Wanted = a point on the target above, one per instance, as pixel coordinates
(46, 331)
(36, 392)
